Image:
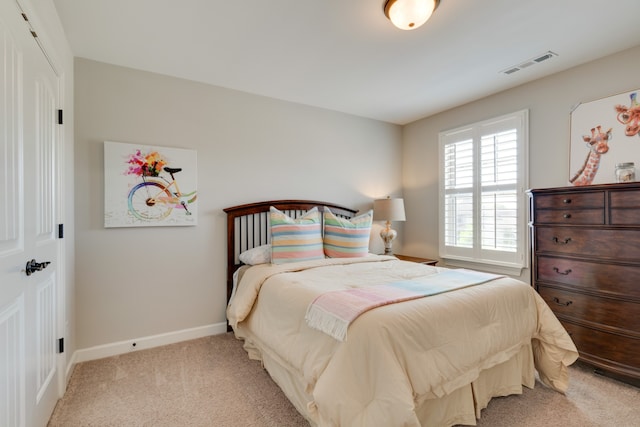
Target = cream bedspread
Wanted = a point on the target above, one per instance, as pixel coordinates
(399, 355)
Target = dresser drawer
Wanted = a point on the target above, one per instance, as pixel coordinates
(568, 216)
(623, 245)
(624, 207)
(625, 216)
(614, 313)
(570, 200)
(611, 279)
(617, 351)
(624, 199)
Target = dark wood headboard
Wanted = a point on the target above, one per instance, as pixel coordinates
(248, 226)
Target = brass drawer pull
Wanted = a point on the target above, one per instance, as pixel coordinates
(564, 273)
(566, 216)
(566, 201)
(559, 242)
(564, 304)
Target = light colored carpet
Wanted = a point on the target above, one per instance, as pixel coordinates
(204, 382)
(211, 382)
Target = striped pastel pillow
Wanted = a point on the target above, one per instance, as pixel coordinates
(346, 238)
(297, 239)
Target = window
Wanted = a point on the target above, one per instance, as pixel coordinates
(483, 178)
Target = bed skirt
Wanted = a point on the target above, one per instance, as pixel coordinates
(462, 406)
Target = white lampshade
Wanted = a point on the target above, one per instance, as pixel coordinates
(388, 210)
(409, 14)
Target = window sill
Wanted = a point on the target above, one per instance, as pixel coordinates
(488, 266)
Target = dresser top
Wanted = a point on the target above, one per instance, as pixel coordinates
(586, 188)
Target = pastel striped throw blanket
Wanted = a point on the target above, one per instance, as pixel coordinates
(333, 312)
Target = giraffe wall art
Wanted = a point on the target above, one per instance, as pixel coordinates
(593, 157)
(598, 145)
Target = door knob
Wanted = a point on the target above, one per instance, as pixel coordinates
(33, 266)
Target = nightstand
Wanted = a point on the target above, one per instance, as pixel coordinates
(425, 261)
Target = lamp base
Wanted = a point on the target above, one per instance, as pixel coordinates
(387, 236)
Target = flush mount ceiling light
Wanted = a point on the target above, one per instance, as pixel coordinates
(409, 14)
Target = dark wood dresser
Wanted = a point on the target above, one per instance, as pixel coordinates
(586, 266)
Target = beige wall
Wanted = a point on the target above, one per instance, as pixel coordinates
(139, 282)
(549, 100)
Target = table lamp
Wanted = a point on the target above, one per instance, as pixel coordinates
(388, 210)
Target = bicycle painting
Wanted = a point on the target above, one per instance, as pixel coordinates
(144, 186)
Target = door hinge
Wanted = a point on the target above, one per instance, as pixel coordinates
(59, 117)
(60, 345)
(60, 231)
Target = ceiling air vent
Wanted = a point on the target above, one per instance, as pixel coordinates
(529, 62)
(544, 57)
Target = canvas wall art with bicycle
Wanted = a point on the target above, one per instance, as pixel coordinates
(144, 185)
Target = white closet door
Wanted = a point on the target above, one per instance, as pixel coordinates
(28, 143)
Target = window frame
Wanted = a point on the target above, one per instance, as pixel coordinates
(475, 257)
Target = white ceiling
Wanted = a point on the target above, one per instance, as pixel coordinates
(345, 55)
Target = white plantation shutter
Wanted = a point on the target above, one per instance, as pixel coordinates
(482, 189)
(458, 182)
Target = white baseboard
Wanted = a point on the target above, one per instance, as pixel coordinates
(135, 344)
(69, 368)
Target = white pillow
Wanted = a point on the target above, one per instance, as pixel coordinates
(257, 255)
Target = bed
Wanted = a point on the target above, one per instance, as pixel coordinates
(426, 361)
